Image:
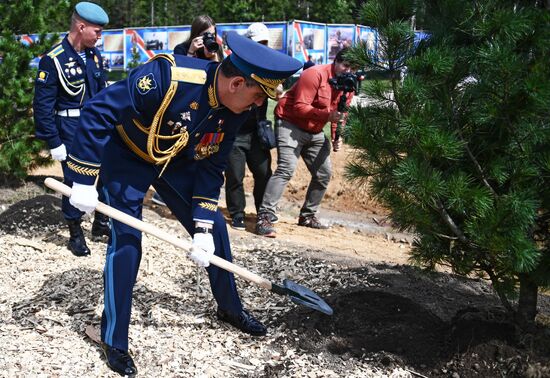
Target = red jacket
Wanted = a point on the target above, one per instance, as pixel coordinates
(310, 100)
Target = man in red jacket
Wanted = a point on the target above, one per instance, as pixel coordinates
(302, 113)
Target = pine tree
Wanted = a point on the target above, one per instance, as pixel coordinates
(19, 149)
(459, 150)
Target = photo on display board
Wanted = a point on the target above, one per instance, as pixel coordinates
(117, 59)
(177, 37)
(308, 38)
(337, 40)
(155, 40)
(113, 42)
(276, 38)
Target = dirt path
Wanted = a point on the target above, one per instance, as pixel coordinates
(359, 229)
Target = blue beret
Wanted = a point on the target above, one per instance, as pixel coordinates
(92, 13)
(266, 66)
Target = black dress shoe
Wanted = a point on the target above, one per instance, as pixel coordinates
(119, 361)
(243, 321)
(100, 226)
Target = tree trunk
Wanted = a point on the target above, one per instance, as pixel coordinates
(527, 304)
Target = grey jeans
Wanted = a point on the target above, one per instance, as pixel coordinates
(293, 142)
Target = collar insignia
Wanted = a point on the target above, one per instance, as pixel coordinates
(212, 100)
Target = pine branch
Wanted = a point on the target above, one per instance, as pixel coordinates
(446, 236)
(477, 165)
(469, 152)
(17, 137)
(502, 296)
(450, 222)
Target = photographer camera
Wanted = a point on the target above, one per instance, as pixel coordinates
(347, 82)
(209, 42)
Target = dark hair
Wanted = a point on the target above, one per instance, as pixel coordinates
(229, 70)
(339, 58)
(200, 24)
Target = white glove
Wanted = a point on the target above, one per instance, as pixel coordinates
(84, 197)
(202, 249)
(59, 153)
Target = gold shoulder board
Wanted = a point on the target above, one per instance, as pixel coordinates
(189, 75)
(56, 51)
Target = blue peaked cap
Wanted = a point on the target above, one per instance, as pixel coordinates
(92, 13)
(266, 66)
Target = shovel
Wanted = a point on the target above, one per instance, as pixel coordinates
(297, 293)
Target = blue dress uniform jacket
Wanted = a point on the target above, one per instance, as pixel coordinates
(162, 126)
(63, 84)
(164, 113)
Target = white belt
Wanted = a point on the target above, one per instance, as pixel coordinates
(68, 113)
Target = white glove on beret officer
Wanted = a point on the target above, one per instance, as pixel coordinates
(59, 153)
(92, 13)
(266, 66)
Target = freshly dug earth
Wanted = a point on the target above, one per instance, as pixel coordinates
(390, 319)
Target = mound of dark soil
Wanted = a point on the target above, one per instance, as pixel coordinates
(393, 327)
(32, 217)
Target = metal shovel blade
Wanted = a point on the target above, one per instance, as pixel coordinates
(302, 295)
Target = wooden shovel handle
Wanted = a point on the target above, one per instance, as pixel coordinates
(162, 235)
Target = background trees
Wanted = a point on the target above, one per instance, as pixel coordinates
(136, 13)
(19, 150)
(459, 150)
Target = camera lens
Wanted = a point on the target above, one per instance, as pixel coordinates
(209, 40)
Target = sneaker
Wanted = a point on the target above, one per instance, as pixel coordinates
(264, 227)
(158, 199)
(273, 218)
(311, 221)
(238, 223)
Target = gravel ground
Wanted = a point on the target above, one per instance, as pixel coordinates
(50, 298)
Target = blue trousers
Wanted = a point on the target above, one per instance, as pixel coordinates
(126, 178)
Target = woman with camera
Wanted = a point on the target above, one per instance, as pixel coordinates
(202, 41)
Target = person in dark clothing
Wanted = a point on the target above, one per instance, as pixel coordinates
(247, 150)
(69, 75)
(309, 63)
(194, 46)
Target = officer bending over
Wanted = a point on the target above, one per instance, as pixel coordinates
(68, 76)
(170, 124)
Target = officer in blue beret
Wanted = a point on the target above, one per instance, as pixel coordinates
(68, 76)
(171, 124)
